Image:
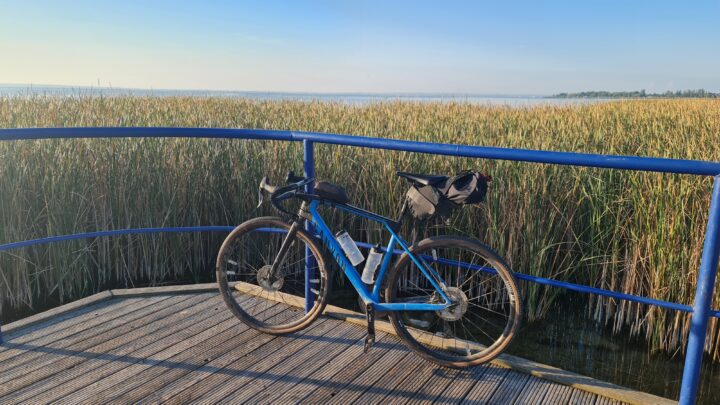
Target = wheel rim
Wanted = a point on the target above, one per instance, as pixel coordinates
(247, 258)
(484, 317)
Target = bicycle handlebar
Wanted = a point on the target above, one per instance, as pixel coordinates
(280, 193)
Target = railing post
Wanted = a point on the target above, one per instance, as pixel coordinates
(703, 301)
(309, 170)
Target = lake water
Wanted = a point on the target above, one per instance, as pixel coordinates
(568, 340)
(348, 98)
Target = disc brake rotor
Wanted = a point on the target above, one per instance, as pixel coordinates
(458, 306)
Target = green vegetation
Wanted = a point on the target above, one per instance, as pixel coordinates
(701, 93)
(639, 233)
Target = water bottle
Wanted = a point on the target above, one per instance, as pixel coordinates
(371, 264)
(349, 247)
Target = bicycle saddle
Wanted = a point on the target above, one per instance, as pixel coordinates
(423, 179)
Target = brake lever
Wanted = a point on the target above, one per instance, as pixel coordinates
(261, 188)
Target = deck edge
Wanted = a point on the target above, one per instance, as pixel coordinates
(171, 289)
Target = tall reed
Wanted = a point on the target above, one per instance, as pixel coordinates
(639, 233)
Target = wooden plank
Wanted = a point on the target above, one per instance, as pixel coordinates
(381, 356)
(298, 374)
(333, 367)
(485, 388)
(86, 364)
(411, 383)
(579, 397)
(245, 368)
(143, 349)
(439, 380)
(243, 373)
(305, 358)
(55, 312)
(65, 318)
(67, 328)
(54, 315)
(378, 380)
(25, 352)
(511, 388)
(534, 391)
(456, 391)
(558, 394)
(606, 401)
(186, 358)
(233, 349)
(116, 334)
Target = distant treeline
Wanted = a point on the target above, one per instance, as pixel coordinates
(701, 93)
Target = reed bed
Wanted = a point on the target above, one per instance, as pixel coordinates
(639, 233)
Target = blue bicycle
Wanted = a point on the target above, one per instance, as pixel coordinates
(450, 298)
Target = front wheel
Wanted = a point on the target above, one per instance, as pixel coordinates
(485, 312)
(244, 265)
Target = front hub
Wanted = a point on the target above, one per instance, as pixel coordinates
(267, 281)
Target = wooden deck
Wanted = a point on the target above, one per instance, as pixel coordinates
(153, 345)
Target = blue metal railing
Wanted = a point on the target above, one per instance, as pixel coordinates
(701, 309)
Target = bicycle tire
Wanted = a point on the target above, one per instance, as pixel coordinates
(423, 341)
(232, 254)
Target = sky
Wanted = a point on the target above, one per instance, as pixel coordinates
(452, 47)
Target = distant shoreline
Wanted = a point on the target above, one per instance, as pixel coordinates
(636, 94)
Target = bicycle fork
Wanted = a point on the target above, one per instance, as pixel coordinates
(288, 242)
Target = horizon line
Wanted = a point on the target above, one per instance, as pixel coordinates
(334, 93)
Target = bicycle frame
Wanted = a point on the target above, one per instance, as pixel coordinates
(372, 296)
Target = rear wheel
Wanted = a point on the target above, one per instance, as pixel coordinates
(248, 288)
(486, 309)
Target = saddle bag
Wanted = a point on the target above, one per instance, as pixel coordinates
(425, 202)
(468, 187)
(439, 200)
